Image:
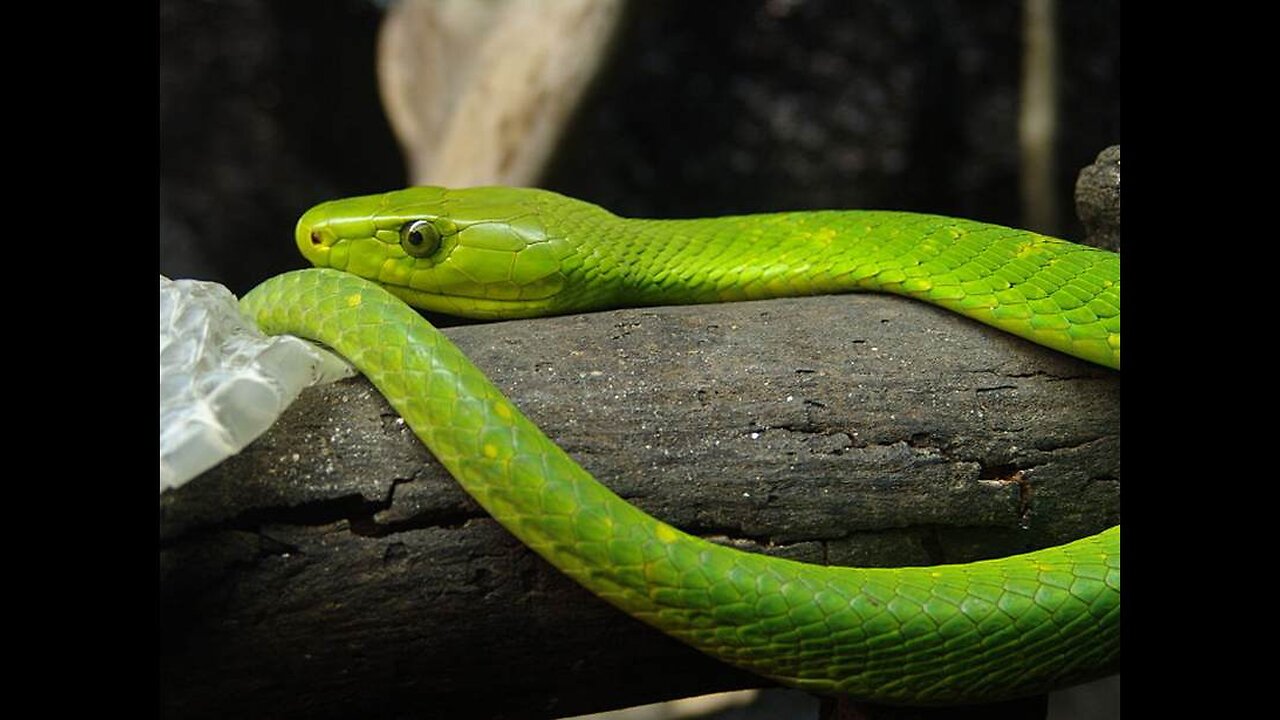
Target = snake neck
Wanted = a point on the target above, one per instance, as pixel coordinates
(1049, 291)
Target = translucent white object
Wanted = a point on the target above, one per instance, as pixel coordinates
(222, 382)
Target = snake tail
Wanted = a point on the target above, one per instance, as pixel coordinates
(968, 633)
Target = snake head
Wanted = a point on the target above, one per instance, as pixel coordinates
(475, 252)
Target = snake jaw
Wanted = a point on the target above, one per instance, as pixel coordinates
(471, 307)
(499, 263)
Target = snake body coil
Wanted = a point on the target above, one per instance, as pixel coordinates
(927, 635)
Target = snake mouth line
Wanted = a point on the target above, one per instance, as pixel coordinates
(471, 307)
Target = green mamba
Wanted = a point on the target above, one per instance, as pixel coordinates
(975, 632)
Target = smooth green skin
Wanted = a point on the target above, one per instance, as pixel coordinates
(967, 633)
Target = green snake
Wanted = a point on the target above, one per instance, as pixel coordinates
(964, 633)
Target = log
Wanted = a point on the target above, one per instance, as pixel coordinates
(333, 569)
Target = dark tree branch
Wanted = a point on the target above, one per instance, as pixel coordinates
(333, 570)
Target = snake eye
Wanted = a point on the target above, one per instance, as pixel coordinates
(419, 238)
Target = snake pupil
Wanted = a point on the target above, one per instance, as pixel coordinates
(419, 238)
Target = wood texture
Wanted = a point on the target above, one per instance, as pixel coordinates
(332, 569)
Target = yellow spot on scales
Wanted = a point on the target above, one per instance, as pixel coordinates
(355, 300)
(490, 450)
(1031, 248)
(666, 533)
(824, 235)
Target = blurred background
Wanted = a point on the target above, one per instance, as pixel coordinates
(659, 108)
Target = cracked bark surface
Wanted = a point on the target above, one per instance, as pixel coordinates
(333, 569)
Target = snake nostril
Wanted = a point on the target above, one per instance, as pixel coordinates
(315, 238)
